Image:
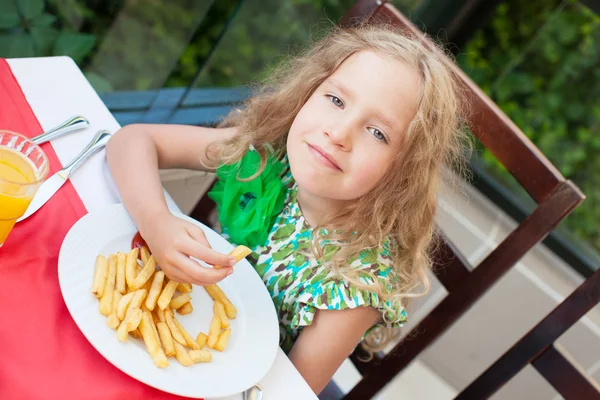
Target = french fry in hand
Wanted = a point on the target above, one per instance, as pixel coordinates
(100, 275)
(189, 340)
(113, 319)
(219, 311)
(106, 300)
(151, 339)
(185, 287)
(166, 339)
(201, 340)
(238, 253)
(177, 335)
(130, 323)
(131, 267)
(217, 294)
(146, 273)
(200, 356)
(155, 289)
(120, 284)
(179, 300)
(185, 309)
(213, 332)
(123, 304)
(222, 342)
(167, 294)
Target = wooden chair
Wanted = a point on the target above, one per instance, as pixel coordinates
(556, 197)
(538, 349)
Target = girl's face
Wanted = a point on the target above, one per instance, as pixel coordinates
(345, 137)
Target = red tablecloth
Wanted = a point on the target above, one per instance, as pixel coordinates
(43, 355)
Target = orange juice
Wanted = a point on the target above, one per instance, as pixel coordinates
(16, 171)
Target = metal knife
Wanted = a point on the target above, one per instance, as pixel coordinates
(70, 125)
(55, 182)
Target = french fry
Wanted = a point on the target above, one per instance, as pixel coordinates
(123, 304)
(222, 342)
(136, 333)
(189, 340)
(130, 323)
(151, 340)
(166, 339)
(213, 332)
(185, 309)
(160, 314)
(182, 355)
(238, 253)
(113, 319)
(185, 287)
(201, 340)
(122, 331)
(154, 327)
(177, 335)
(167, 294)
(200, 356)
(179, 300)
(100, 275)
(154, 317)
(106, 300)
(219, 311)
(145, 253)
(121, 258)
(130, 267)
(155, 289)
(217, 294)
(146, 273)
(137, 301)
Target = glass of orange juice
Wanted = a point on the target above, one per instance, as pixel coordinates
(23, 167)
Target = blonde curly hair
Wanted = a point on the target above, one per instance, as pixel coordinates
(402, 205)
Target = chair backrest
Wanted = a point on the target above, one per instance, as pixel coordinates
(555, 196)
(537, 348)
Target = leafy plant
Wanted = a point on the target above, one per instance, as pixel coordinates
(543, 73)
(27, 29)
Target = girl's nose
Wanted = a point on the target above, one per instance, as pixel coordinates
(340, 135)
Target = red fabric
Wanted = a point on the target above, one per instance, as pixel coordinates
(43, 355)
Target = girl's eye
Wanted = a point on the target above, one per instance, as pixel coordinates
(377, 134)
(336, 101)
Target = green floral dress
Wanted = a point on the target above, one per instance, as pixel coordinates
(299, 285)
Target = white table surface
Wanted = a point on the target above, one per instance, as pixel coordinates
(56, 89)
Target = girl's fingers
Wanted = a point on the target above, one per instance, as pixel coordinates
(200, 275)
(178, 275)
(203, 252)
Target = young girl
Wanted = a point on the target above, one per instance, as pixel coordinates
(330, 175)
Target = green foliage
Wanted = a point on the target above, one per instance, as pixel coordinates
(29, 29)
(259, 36)
(543, 73)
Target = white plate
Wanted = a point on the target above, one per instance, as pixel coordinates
(254, 336)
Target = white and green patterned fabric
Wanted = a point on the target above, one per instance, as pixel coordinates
(299, 285)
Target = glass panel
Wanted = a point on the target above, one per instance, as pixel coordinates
(544, 73)
(262, 33)
(119, 44)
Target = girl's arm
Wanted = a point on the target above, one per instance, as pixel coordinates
(323, 346)
(135, 154)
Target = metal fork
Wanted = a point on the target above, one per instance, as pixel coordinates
(254, 393)
(70, 125)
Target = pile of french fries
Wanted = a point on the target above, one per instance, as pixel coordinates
(142, 301)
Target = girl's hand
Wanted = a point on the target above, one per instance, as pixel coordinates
(172, 241)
